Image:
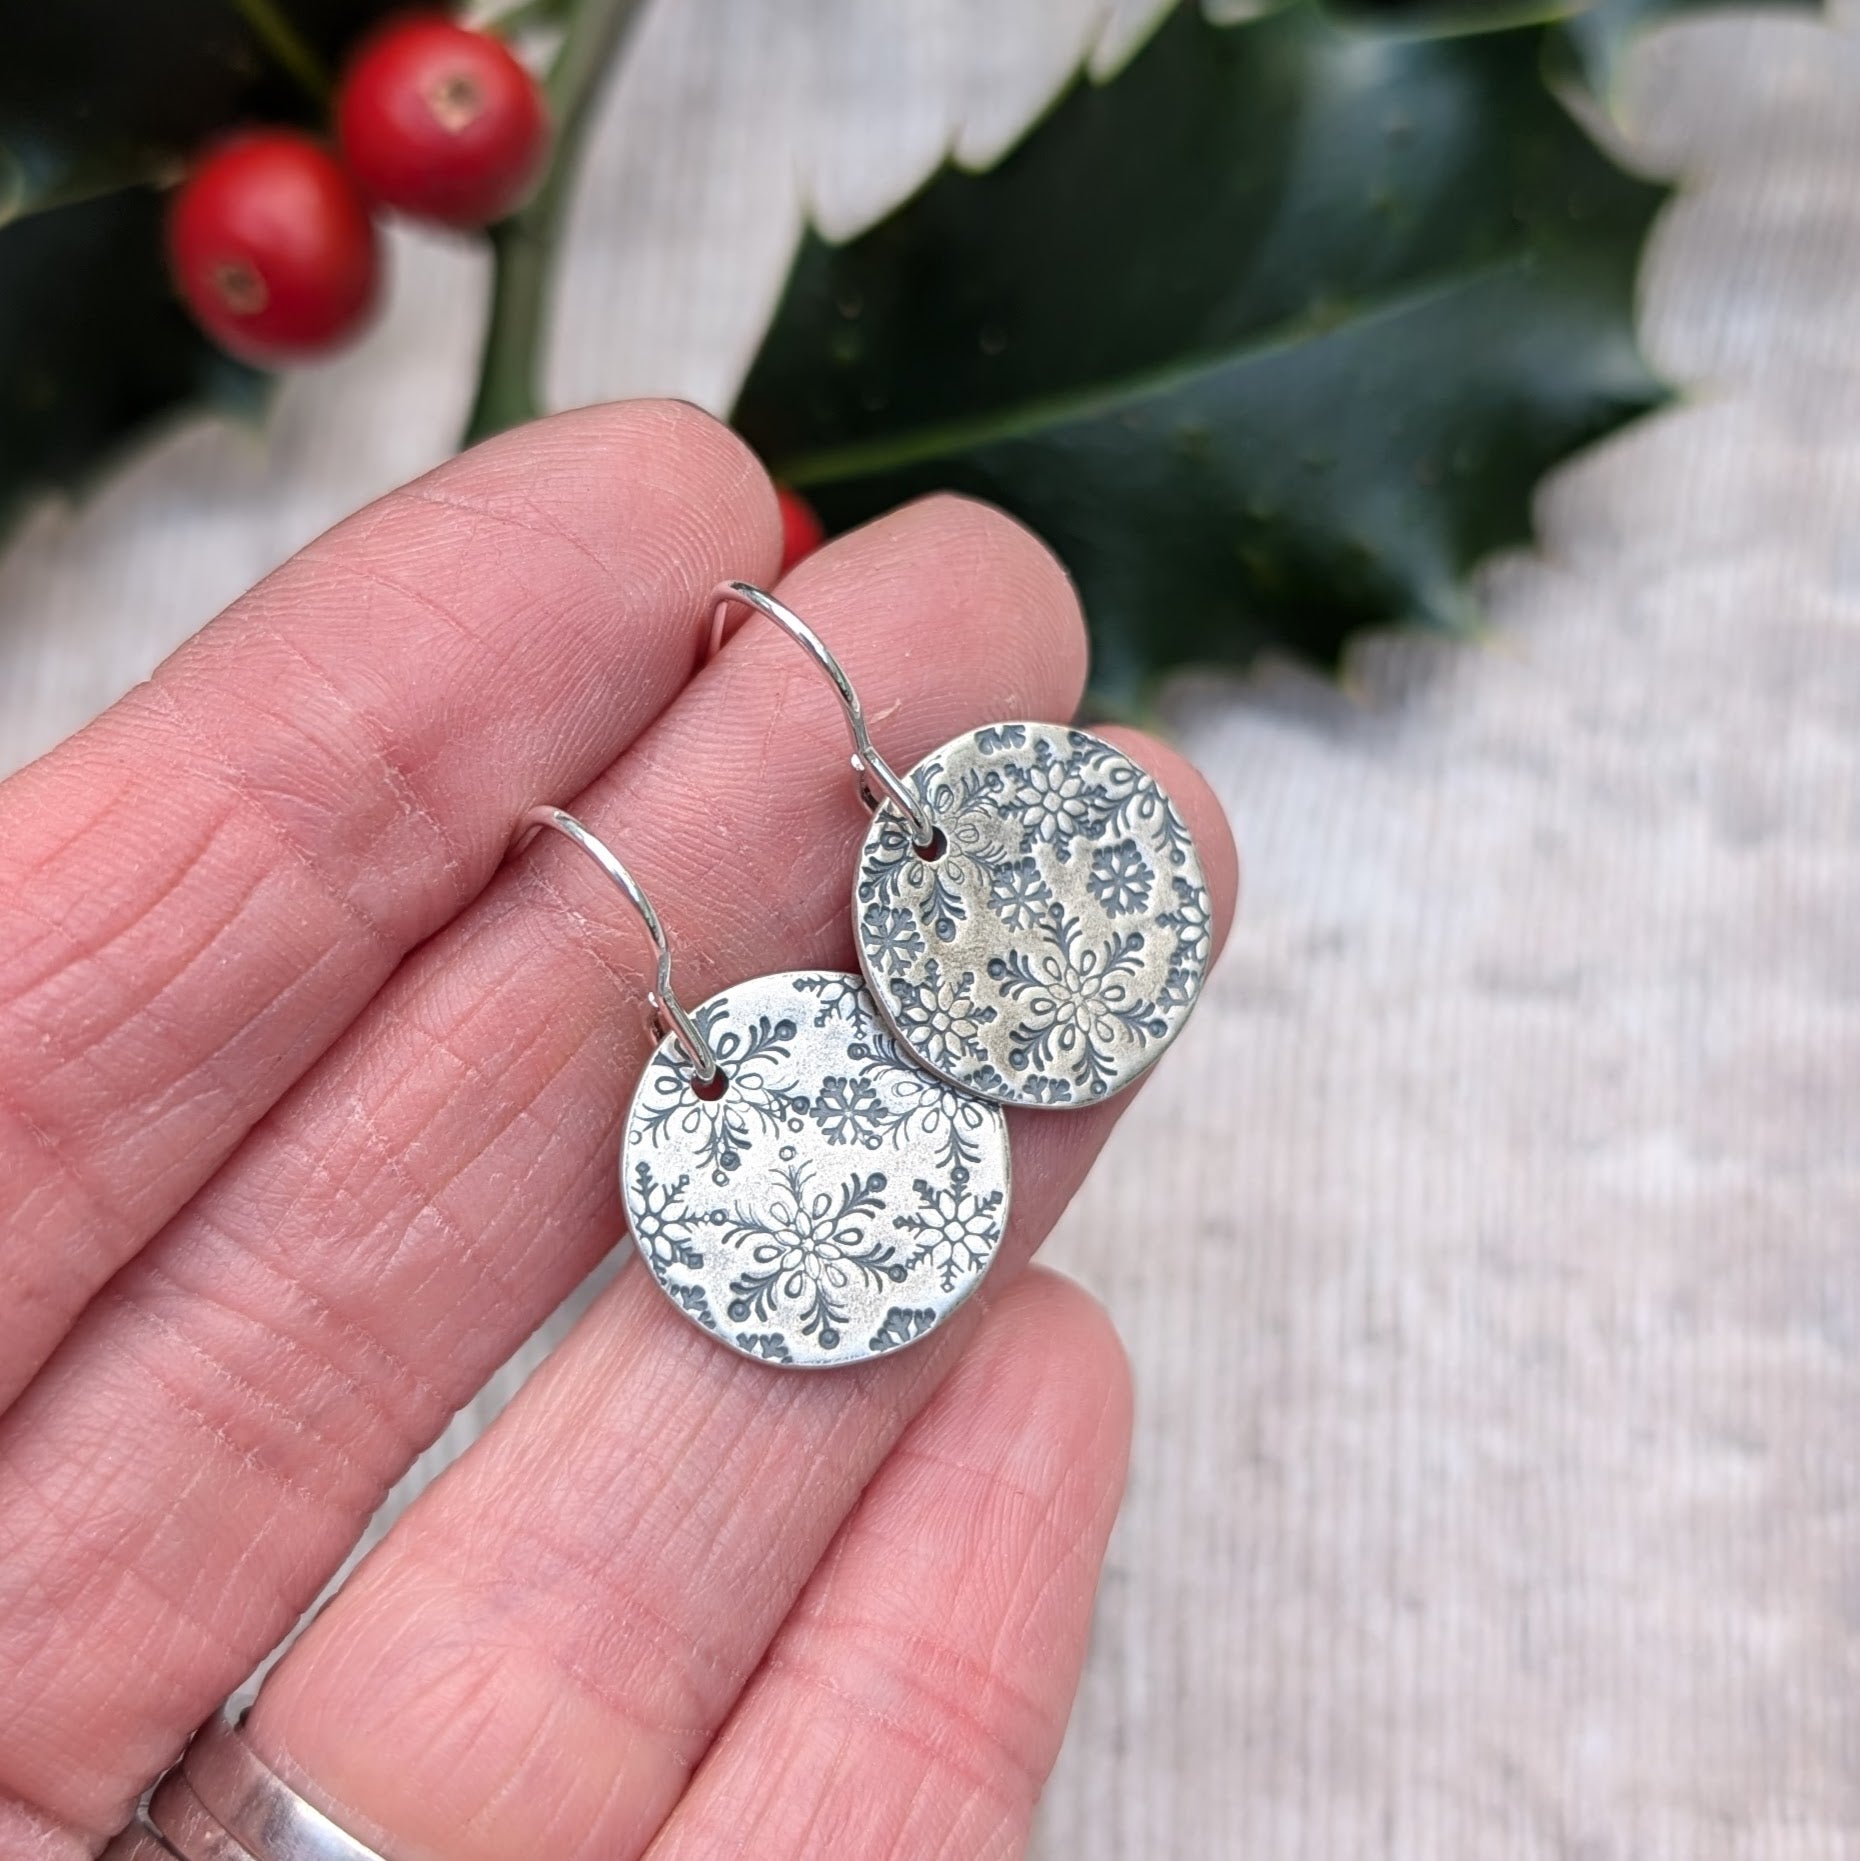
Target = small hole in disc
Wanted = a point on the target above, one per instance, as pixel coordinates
(711, 1088)
(934, 848)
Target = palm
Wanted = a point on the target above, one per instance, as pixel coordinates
(308, 1115)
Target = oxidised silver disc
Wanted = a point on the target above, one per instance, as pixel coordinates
(1056, 946)
(835, 1201)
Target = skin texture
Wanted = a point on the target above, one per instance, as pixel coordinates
(309, 1106)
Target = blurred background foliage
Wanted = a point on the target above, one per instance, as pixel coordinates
(1270, 332)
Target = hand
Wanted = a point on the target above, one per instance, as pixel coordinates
(309, 1113)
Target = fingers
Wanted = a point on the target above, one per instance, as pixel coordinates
(547, 1683)
(277, 1356)
(913, 1702)
(567, 1618)
(200, 891)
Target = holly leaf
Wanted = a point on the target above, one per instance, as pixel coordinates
(96, 95)
(1270, 334)
(1593, 37)
(94, 345)
(100, 105)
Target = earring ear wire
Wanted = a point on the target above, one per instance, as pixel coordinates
(1028, 905)
(868, 765)
(667, 1012)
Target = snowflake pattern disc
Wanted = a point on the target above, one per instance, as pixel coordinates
(1056, 945)
(834, 1202)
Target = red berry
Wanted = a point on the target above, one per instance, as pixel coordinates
(442, 122)
(801, 531)
(272, 247)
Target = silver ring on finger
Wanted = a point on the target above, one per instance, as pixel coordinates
(189, 1827)
(223, 1802)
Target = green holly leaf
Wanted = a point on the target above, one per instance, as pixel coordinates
(1271, 333)
(93, 344)
(1593, 37)
(100, 106)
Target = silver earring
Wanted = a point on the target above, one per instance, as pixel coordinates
(1029, 907)
(795, 1185)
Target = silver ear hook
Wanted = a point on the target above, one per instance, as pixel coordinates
(665, 1006)
(870, 767)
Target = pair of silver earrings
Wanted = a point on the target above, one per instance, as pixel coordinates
(815, 1164)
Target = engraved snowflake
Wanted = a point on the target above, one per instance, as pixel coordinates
(1120, 879)
(661, 1221)
(891, 936)
(940, 1016)
(1077, 1004)
(924, 1107)
(1017, 892)
(758, 1099)
(839, 996)
(850, 1111)
(975, 835)
(902, 1324)
(1128, 798)
(1052, 798)
(1194, 936)
(770, 1346)
(808, 1250)
(958, 1230)
(692, 1300)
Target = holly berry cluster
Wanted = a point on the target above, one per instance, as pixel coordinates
(272, 236)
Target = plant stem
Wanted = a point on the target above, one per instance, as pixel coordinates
(523, 246)
(287, 45)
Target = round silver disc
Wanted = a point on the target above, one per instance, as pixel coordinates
(833, 1202)
(1054, 943)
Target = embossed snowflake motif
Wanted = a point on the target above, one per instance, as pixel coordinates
(902, 1324)
(958, 1230)
(940, 1016)
(1121, 879)
(661, 1221)
(808, 1250)
(1077, 1005)
(924, 1107)
(850, 1111)
(771, 1346)
(839, 996)
(692, 1300)
(993, 737)
(758, 1099)
(1018, 893)
(1194, 936)
(890, 1100)
(1082, 920)
(1052, 798)
(975, 835)
(891, 936)
(1129, 802)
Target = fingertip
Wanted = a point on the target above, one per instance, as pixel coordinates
(679, 431)
(1000, 589)
(624, 462)
(1056, 1369)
